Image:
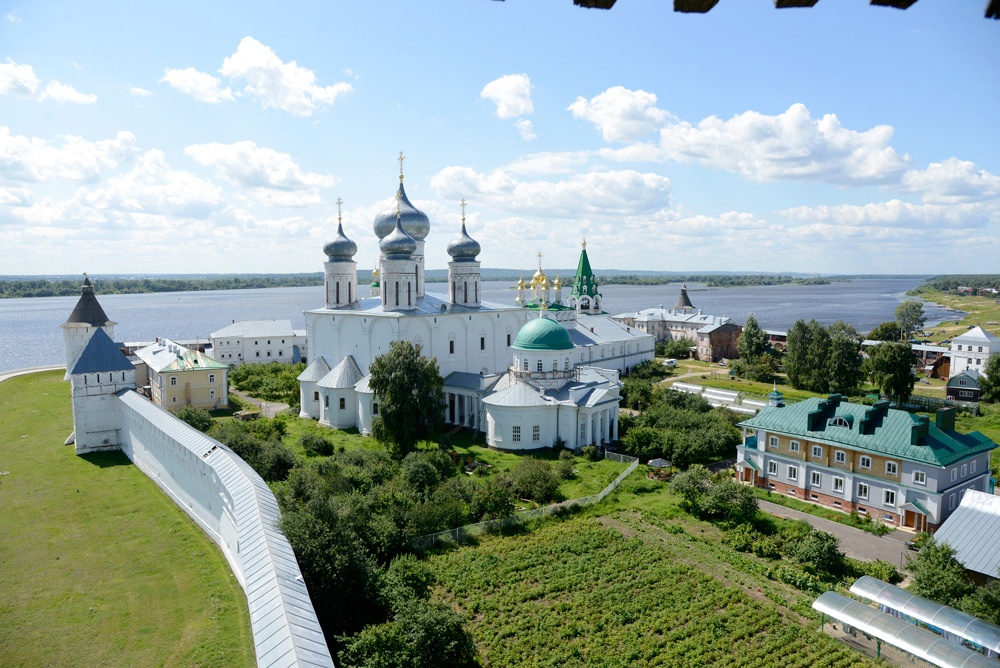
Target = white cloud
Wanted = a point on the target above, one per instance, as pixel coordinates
(511, 94)
(524, 127)
(952, 181)
(622, 115)
(790, 145)
(139, 92)
(74, 159)
(608, 193)
(18, 79)
(877, 218)
(276, 84)
(202, 87)
(15, 197)
(550, 163)
(153, 187)
(274, 178)
(12, 18)
(64, 93)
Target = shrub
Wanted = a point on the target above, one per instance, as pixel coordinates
(565, 466)
(591, 453)
(314, 444)
(535, 479)
(198, 418)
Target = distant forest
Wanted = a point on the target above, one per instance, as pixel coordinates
(60, 286)
(952, 282)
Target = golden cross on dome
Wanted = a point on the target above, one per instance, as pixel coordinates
(584, 243)
(539, 259)
(401, 166)
(463, 212)
(339, 202)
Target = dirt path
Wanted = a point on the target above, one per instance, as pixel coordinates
(268, 409)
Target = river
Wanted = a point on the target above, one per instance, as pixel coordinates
(30, 333)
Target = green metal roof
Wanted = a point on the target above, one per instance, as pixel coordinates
(543, 334)
(584, 282)
(891, 435)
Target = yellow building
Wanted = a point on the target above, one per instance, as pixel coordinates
(178, 377)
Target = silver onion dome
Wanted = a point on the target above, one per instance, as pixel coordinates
(464, 248)
(414, 221)
(340, 248)
(397, 245)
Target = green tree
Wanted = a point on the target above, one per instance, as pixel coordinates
(676, 348)
(729, 500)
(643, 442)
(990, 382)
(692, 486)
(409, 389)
(806, 361)
(820, 549)
(887, 331)
(890, 368)
(938, 575)
(753, 341)
(198, 418)
(984, 603)
(493, 500)
(535, 479)
(910, 317)
(844, 366)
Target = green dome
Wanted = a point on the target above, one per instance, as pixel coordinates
(543, 334)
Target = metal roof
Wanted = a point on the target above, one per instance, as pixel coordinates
(88, 310)
(913, 639)
(973, 530)
(99, 355)
(929, 612)
(315, 371)
(891, 436)
(166, 355)
(470, 381)
(286, 632)
(970, 376)
(976, 335)
(344, 375)
(597, 329)
(259, 328)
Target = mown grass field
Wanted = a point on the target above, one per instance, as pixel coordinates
(97, 566)
(625, 588)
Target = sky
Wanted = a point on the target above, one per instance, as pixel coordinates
(217, 137)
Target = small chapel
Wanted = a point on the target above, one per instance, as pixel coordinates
(527, 375)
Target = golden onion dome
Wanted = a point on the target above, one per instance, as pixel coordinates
(520, 284)
(539, 276)
(557, 283)
(375, 272)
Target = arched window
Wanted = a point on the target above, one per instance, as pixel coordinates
(526, 364)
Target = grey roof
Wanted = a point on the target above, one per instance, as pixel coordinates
(678, 316)
(976, 335)
(285, 629)
(431, 303)
(470, 381)
(518, 394)
(100, 355)
(974, 531)
(363, 385)
(598, 329)
(88, 310)
(970, 376)
(683, 301)
(929, 612)
(259, 328)
(913, 639)
(345, 375)
(315, 371)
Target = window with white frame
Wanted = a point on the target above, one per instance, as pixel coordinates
(536, 433)
(772, 441)
(772, 468)
(516, 434)
(793, 472)
(173, 380)
(891, 468)
(919, 477)
(838, 484)
(862, 490)
(840, 457)
(954, 474)
(583, 432)
(211, 377)
(866, 462)
(965, 470)
(793, 446)
(951, 502)
(538, 366)
(888, 497)
(817, 451)
(972, 466)
(815, 479)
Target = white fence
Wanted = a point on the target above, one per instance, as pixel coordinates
(734, 401)
(469, 530)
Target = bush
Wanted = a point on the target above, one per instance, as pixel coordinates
(565, 466)
(198, 418)
(591, 453)
(535, 479)
(314, 444)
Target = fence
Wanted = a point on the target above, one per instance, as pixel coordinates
(919, 402)
(470, 530)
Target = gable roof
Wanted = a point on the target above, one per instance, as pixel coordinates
(970, 376)
(973, 530)
(976, 335)
(891, 435)
(258, 328)
(166, 355)
(99, 355)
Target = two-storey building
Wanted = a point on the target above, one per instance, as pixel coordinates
(177, 376)
(258, 341)
(887, 464)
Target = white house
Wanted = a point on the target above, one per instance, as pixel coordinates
(971, 351)
(258, 341)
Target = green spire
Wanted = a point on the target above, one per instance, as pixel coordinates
(584, 283)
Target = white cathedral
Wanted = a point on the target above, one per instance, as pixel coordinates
(529, 375)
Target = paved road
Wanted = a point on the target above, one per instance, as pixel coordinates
(855, 543)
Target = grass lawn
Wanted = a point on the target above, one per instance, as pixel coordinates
(97, 566)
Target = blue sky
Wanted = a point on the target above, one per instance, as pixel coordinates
(216, 137)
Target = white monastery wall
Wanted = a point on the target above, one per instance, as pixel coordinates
(234, 506)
